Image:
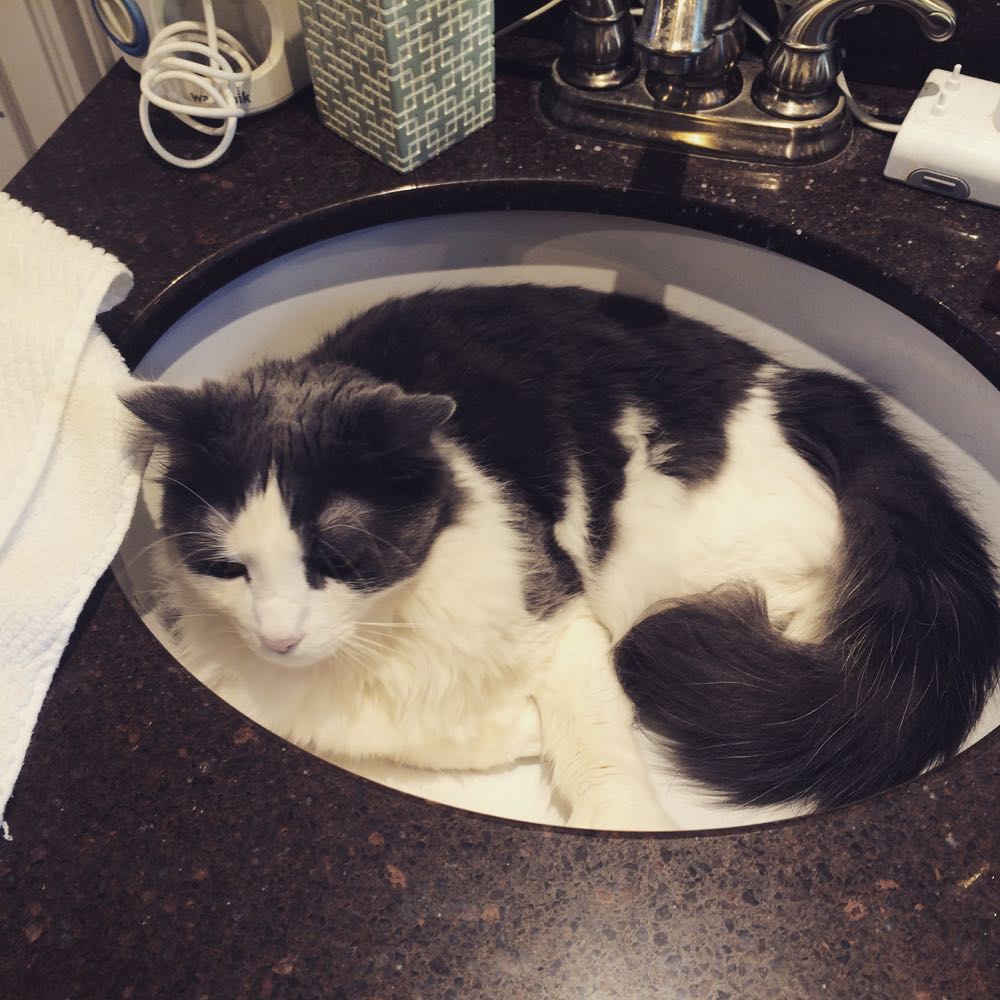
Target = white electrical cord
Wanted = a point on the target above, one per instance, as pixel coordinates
(755, 26)
(521, 22)
(222, 75)
(545, 8)
(860, 113)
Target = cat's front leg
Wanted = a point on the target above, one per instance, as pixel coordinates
(588, 737)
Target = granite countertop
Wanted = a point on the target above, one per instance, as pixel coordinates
(163, 846)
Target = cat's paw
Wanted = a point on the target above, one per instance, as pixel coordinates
(644, 816)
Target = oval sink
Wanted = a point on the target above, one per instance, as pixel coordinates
(797, 313)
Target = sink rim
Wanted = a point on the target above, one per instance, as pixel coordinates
(407, 203)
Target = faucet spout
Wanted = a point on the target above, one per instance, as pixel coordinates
(689, 50)
(817, 24)
(801, 65)
(671, 34)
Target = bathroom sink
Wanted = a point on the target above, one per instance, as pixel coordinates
(800, 314)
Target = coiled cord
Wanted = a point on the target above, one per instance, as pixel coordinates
(222, 77)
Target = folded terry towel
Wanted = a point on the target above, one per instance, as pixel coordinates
(70, 482)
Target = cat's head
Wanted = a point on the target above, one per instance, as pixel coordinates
(298, 499)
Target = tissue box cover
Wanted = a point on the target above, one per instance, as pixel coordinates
(401, 79)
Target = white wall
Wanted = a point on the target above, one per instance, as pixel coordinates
(52, 52)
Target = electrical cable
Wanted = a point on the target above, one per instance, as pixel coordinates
(863, 116)
(522, 21)
(222, 74)
(544, 9)
(755, 26)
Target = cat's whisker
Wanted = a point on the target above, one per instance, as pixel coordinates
(356, 639)
(164, 540)
(209, 552)
(388, 624)
(170, 479)
(361, 652)
(360, 643)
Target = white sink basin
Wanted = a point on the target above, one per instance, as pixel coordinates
(793, 311)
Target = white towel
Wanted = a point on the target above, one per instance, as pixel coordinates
(69, 480)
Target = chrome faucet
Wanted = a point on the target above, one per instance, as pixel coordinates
(691, 49)
(680, 77)
(801, 65)
(672, 36)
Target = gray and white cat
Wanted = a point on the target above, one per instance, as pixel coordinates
(479, 525)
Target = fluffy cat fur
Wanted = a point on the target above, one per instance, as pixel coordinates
(478, 525)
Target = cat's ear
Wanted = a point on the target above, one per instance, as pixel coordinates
(389, 418)
(418, 413)
(170, 413)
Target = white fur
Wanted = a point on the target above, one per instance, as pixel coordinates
(766, 519)
(450, 670)
(274, 604)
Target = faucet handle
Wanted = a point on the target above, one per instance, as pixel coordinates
(799, 79)
(597, 45)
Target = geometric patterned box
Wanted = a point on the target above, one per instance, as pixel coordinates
(401, 79)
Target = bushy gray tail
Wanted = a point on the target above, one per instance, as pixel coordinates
(910, 653)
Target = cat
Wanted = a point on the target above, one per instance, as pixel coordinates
(480, 525)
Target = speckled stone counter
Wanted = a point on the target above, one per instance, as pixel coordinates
(163, 846)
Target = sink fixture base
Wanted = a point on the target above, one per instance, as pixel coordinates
(737, 130)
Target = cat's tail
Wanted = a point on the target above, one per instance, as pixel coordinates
(911, 643)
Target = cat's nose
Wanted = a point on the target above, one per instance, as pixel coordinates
(280, 644)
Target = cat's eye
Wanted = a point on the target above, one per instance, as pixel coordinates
(337, 567)
(223, 569)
